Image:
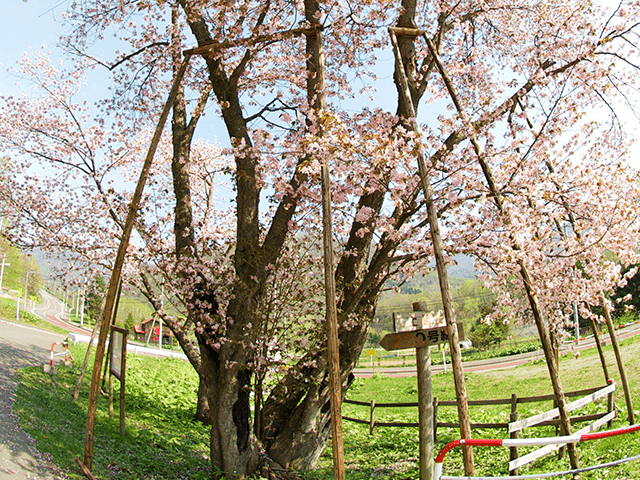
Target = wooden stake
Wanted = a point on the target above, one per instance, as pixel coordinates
(621, 370)
(105, 318)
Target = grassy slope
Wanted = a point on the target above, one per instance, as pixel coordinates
(8, 312)
(163, 442)
(391, 452)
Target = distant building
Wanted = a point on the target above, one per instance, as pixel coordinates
(139, 333)
(147, 333)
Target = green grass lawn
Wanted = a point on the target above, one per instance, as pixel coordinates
(162, 440)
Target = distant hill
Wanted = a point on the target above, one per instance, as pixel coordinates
(462, 270)
(464, 267)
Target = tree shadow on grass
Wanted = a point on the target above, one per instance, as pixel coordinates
(18, 449)
(158, 442)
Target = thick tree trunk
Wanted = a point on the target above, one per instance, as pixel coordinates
(203, 411)
(233, 446)
(296, 416)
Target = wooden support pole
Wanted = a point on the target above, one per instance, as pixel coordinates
(621, 370)
(123, 378)
(113, 322)
(372, 417)
(105, 317)
(318, 100)
(332, 333)
(76, 393)
(513, 417)
(545, 338)
(435, 419)
(596, 337)
(110, 396)
(441, 267)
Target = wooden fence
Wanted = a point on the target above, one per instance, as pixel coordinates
(512, 402)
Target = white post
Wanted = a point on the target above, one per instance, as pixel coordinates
(4, 257)
(84, 293)
(18, 310)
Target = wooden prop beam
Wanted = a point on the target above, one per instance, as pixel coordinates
(441, 267)
(543, 332)
(105, 317)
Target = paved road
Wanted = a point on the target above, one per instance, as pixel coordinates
(21, 346)
(497, 363)
(51, 311)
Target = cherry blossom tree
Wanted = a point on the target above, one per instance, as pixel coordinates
(528, 76)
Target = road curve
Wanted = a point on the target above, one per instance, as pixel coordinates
(51, 310)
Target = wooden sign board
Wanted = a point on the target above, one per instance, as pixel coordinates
(118, 349)
(417, 338)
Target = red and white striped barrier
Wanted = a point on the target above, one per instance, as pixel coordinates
(520, 442)
(65, 345)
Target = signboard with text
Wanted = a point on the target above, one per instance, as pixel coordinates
(118, 349)
(417, 338)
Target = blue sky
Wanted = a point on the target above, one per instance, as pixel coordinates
(23, 26)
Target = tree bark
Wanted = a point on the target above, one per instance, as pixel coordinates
(233, 447)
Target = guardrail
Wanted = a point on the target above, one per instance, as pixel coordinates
(508, 442)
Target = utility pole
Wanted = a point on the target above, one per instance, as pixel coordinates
(26, 279)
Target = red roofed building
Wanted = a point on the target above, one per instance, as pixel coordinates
(145, 330)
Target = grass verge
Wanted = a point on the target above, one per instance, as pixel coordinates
(392, 453)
